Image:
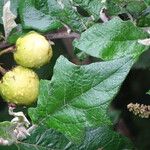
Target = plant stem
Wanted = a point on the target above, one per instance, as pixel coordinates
(7, 50)
(4, 44)
(62, 35)
(50, 36)
(2, 70)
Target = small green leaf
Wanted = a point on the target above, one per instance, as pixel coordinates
(33, 18)
(131, 8)
(114, 7)
(78, 96)
(93, 7)
(113, 39)
(67, 14)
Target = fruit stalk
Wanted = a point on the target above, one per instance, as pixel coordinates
(2, 70)
(4, 45)
(7, 50)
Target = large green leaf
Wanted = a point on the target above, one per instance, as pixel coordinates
(78, 96)
(111, 40)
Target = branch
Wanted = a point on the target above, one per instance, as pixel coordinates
(62, 35)
(7, 50)
(49, 36)
(2, 70)
(4, 44)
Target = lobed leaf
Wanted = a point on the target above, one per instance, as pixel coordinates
(78, 96)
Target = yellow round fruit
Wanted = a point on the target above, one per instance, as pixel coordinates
(20, 86)
(32, 50)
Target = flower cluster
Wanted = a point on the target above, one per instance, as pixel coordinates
(141, 110)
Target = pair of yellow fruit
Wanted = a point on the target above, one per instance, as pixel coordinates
(21, 85)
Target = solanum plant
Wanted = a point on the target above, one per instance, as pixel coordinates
(63, 65)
